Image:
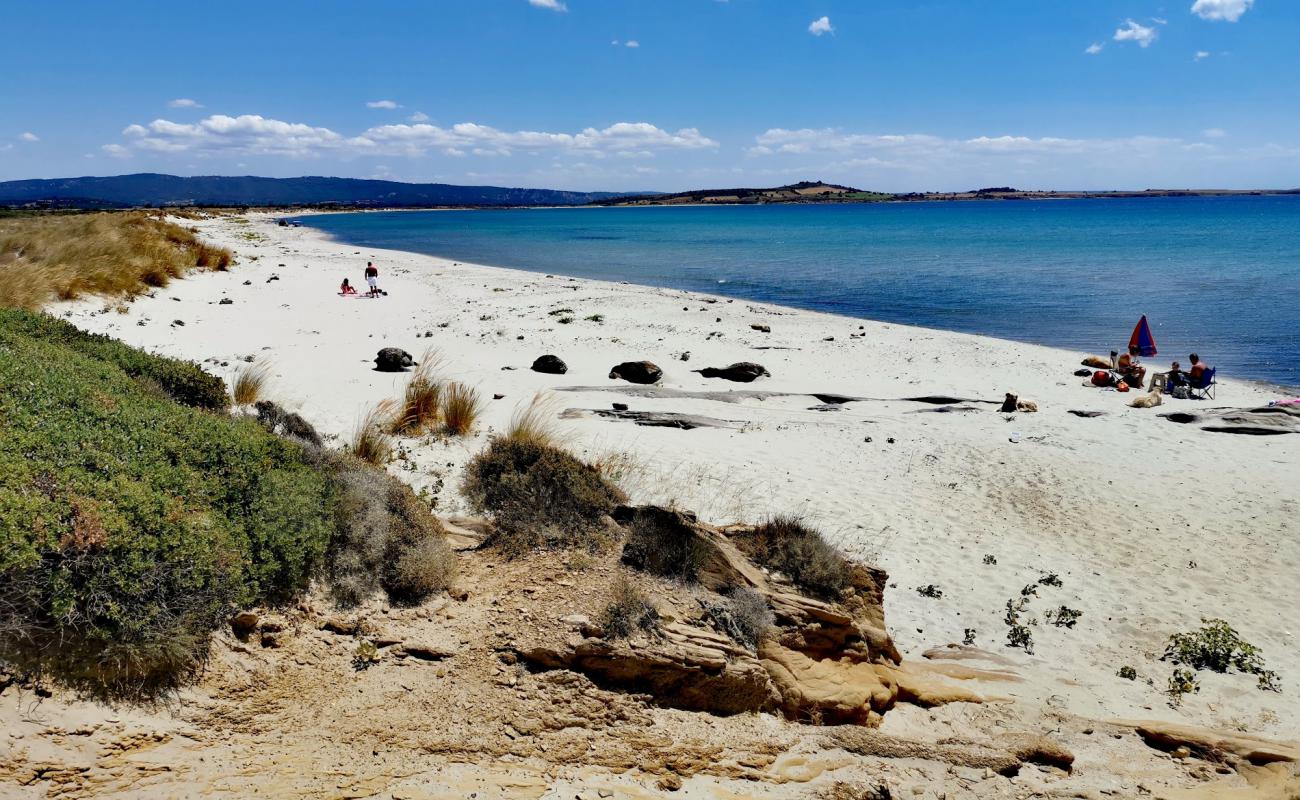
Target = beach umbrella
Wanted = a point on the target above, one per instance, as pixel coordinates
(1142, 338)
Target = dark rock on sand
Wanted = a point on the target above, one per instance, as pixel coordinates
(637, 372)
(1086, 414)
(550, 365)
(741, 372)
(761, 328)
(225, 301)
(620, 406)
(393, 359)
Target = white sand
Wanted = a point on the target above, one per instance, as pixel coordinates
(1149, 524)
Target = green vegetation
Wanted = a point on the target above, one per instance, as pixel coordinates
(132, 525)
(788, 546)
(539, 496)
(662, 542)
(1217, 647)
(51, 257)
(129, 524)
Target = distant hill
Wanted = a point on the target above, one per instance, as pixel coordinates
(802, 192)
(151, 189)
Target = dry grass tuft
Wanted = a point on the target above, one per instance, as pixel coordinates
(422, 400)
(250, 383)
(370, 440)
(47, 257)
(461, 407)
(629, 611)
(535, 423)
(802, 554)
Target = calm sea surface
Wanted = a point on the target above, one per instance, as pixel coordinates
(1219, 275)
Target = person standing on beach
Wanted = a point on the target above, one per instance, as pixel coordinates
(372, 278)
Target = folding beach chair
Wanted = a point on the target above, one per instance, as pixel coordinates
(1205, 389)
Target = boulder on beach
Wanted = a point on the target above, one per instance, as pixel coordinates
(637, 372)
(393, 359)
(551, 365)
(741, 372)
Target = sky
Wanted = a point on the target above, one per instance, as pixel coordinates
(667, 95)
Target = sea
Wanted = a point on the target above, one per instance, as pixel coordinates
(1216, 275)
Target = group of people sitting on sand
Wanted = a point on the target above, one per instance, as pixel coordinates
(372, 280)
(1127, 369)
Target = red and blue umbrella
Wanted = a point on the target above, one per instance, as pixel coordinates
(1142, 339)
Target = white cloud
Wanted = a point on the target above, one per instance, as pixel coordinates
(387, 104)
(1133, 32)
(1214, 133)
(1094, 48)
(419, 116)
(1221, 10)
(553, 5)
(255, 135)
(632, 43)
(28, 136)
(184, 102)
(1202, 54)
(116, 151)
(819, 26)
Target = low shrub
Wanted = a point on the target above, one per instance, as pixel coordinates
(183, 381)
(534, 423)
(131, 525)
(539, 496)
(742, 615)
(1182, 683)
(629, 610)
(662, 541)
(787, 545)
(1063, 616)
(385, 538)
(461, 407)
(286, 423)
(1217, 647)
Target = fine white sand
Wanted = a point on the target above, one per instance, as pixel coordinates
(1150, 525)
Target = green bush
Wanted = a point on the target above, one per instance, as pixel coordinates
(662, 541)
(629, 610)
(131, 525)
(539, 496)
(183, 381)
(1217, 647)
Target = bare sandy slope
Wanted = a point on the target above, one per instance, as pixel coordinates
(1150, 525)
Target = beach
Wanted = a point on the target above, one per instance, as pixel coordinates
(886, 437)
(1151, 525)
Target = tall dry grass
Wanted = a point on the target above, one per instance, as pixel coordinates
(370, 440)
(535, 422)
(44, 258)
(250, 384)
(421, 403)
(461, 407)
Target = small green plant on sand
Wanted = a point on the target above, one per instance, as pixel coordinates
(595, 318)
(930, 590)
(1127, 673)
(365, 656)
(1018, 634)
(990, 559)
(1063, 617)
(1217, 647)
(1182, 683)
(969, 638)
(565, 320)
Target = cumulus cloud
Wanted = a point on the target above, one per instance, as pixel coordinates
(28, 136)
(628, 43)
(552, 5)
(1200, 54)
(1133, 32)
(184, 102)
(819, 26)
(1221, 10)
(386, 104)
(116, 151)
(419, 116)
(255, 135)
(1093, 49)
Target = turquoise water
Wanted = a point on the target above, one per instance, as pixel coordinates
(1219, 275)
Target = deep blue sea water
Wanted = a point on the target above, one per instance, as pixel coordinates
(1219, 275)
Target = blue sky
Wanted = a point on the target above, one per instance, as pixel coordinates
(661, 94)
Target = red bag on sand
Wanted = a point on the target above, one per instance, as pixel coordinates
(1121, 387)
(1101, 378)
